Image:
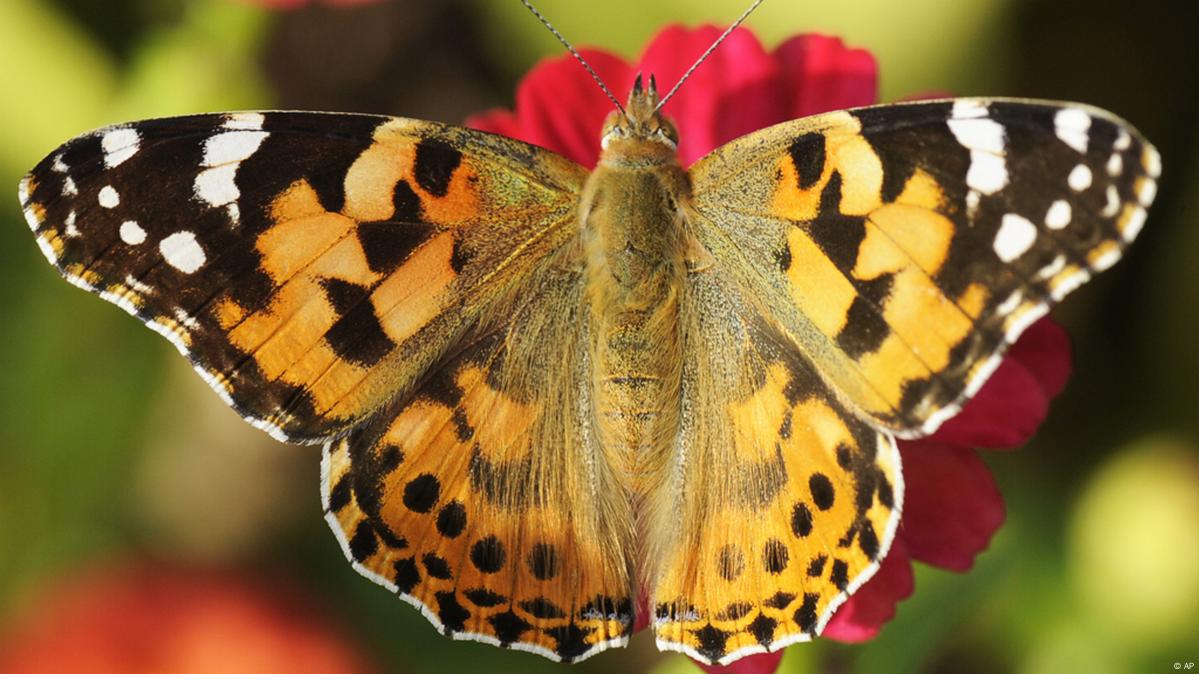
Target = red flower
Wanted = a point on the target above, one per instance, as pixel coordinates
(151, 619)
(952, 506)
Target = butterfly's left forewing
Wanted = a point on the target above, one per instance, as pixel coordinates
(311, 266)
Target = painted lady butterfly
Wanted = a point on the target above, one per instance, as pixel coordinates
(541, 389)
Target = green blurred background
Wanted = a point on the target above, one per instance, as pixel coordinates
(111, 449)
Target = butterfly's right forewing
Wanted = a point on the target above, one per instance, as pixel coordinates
(902, 247)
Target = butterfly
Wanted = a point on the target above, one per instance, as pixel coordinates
(543, 392)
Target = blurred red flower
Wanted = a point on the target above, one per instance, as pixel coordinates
(147, 618)
(952, 505)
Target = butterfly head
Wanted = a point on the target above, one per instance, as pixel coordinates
(639, 126)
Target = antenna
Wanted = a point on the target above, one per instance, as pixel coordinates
(703, 57)
(595, 76)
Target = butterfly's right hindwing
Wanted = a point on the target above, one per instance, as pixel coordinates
(312, 266)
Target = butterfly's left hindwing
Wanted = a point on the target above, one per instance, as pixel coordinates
(484, 500)
(903, 246)
(312, 266)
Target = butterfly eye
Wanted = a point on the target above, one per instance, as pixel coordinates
(614, 131)
(665, 135)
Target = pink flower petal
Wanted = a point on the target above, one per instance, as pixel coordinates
(496, 120)
(559, 106)
(821, 74)
(1013, 403)
(951, 507)
(862, 616)
(1044, 350)
(734, 92)
(1003, 414)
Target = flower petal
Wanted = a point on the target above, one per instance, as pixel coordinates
(496, 120)
(1003, 414)
(862, 616)
(951, 507)
(1044, 349)
(820, 74)
(734, 92)
(1010, 407)
(559, 106)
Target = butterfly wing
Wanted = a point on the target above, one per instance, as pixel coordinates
(860, 274)
(485, 500)
(782, 501)
(902, 247)
(405, 288)
(312, 266)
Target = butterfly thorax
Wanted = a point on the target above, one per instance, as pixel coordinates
(633, 235)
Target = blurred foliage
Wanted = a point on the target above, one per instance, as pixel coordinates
(109, 448)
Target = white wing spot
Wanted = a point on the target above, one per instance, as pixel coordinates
(1113, 202)
(1079, 178)
(1058, 215)
(1015, 236)
(984, 135)
(108, 197)
(71, 230)
(68, 187)
(987, 173)
(231, 147)
(216, 186)
(985, 140)
(59, 166)
(1073, 127)
(223, 154)
(182, 251)
(132, 233)
(1115, 165)
(119, 145)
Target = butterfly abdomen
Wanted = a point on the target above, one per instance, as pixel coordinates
(633, 234)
